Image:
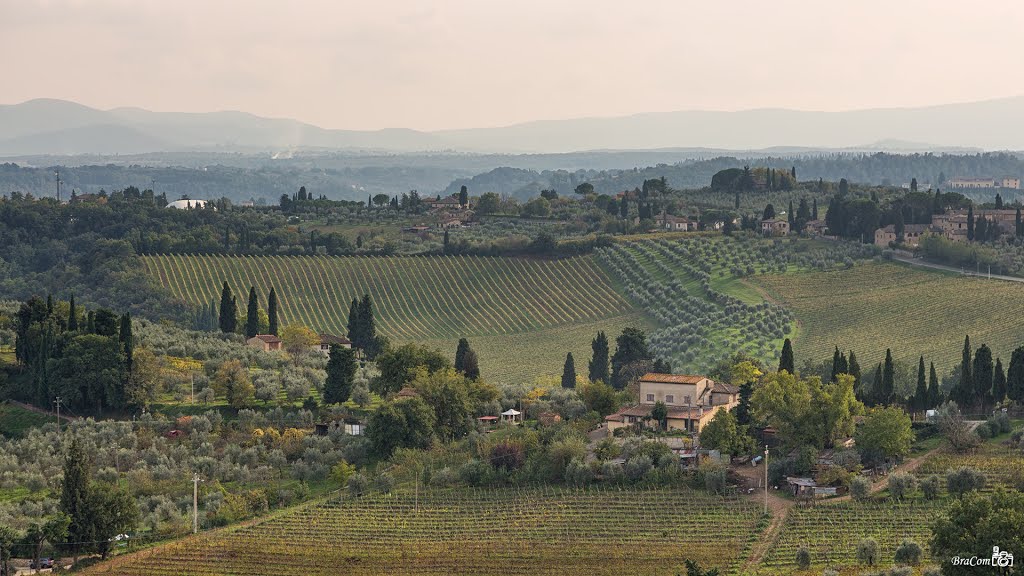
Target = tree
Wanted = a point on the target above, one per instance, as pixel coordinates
(901, 485)
(341, 373)
(814, 209)
(74, 493)
(112, 511)
(127, 339)
(806, 411)
(970, 222)
(584, 189)
(144, 379)
(463, 196)
(367, 328)
(1015, 376)
(397, 367)
(786, 361)
(472, 365)
(598, 366)
(460, 354)
(233, 382)
(599, 397)
(630, 347)
(54, 530)
(867, 552)
(999, 383)
(885, 433)
(1018, 227)
(252, 316)
(446, 392)
(964, 390)
(381, 200)
(920, 400)
(659, 413)
(569, 372)
(769, 212)
(978, 525)
(401, 423)
(853, 368)
(298, 339)
(934, 393)
(272, 312)
(694, 569)
(913, 184)
(73, 311)
(228, 313)
(488, 203)
(887, 391)
(999, 201)
(355, 331)
(981, 375)
(723, 433)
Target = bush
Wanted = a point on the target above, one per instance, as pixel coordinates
(341, 472)
(901, 485)
(712, 475)
(385, 483)
(577, 473)
(999, 424)
(930, 486)
(803, 558)
(867, 551)
(984, 431)
(637, 467)
(507, 456)
(932, 571)
(475, 473)
(963, 480)
(860, 488)
(357, 484)
(445, 478)
(830, 572)
(908, 553)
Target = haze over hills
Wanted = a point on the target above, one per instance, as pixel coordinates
(65, 128)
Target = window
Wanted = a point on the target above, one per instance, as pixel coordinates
(686, 399)
(670, 399)
(650, 397)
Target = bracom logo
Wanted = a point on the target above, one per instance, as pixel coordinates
(999, 559)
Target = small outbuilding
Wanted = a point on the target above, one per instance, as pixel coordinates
(512, 416)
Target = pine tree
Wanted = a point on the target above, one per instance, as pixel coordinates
(921, 392)
(341, 372)
(934, 392)
(353, 327)
(252, 314)
(472, 365)
(72, 315)
(460, 355)
(999, 383)
(598, 367)
(569, 372)
(272, 311)
(888, 392)
(786, 361)
(127, 340)
(228, 313)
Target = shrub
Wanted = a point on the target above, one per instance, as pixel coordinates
(930, 486)
(901, 485)
(475, 473)
(385, 483)
(712, 474)
(984, 431)
(999, 424)
(445, 477)
(908, 553)
(803, 558)
(860, 488)
(577, 473)
(341, 472)
(829, 572)
(963, 480)
(867, 551)
(357, 484)
(932, 571)
(637, 467)
(507, 456)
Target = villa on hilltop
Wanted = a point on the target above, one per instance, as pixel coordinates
(692, 401)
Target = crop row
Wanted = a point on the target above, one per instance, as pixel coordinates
(416, 297)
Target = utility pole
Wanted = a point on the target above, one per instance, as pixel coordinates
(195, 503)
(765, 478)
(57, 403)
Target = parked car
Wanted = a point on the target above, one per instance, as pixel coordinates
(43, 563)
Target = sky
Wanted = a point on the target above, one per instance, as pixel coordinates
(440, 64)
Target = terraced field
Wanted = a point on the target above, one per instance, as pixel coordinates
(875, 306)
(514, 531)
(831, 532)
(521, 315)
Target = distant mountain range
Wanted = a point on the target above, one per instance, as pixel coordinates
(60, 127)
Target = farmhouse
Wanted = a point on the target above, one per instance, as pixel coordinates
(691, 401)
(446, 203)
(1004, 182)
(815, 227)
(186, 204)
(265, 342)
(953, 223)
(326, 340)
(774, 227)
(675, 223)
(88, 198)
(911, 234)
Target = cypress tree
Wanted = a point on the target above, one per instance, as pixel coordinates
(127, 339)
(786, 361)
(74, 495)
(1018, 229)
(252, 314)
(888, 379)
(341, 372)
(354, 328)
(981, 375)
(460, 355)
(49, 304)
(367, 325)
(999, 383)
(743, 408)
(569, 372)
(790, 216)
(228, 314)
(598, 367)
(272, 311)
(1015, 376)
(472, 365)
(999, 201)
(72, 315)
(965, 388)
(921, 393)
(814, 209)
(934, 392)
(90, 322)
(876, 395)
(854, 368)
(835, 364)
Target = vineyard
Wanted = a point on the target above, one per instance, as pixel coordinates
(831, 532)
(516, 304)
(913, 312)
(513, 531)
(1002, 465)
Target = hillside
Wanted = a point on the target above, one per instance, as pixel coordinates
(538, 309)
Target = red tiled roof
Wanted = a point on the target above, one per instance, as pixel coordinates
(268, 338)
(671, 378)
(330, 339)
(723, 388)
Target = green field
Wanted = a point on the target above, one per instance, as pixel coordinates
(514, 531)
(876, 306)
(15, 421)
(521, 315)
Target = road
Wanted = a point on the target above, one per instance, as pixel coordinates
(923, 264)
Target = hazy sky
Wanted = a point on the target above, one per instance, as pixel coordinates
(433, 64)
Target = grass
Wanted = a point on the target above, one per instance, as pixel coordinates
(16, 421)
(510, 531)
(875, 306)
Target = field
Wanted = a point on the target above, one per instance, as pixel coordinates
(15, 421)
(876, 306)
(538, 309)
(1001, 464)
(514, 531)
(831, 532)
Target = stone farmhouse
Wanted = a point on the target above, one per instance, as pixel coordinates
(774, 227)
(692, 402)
